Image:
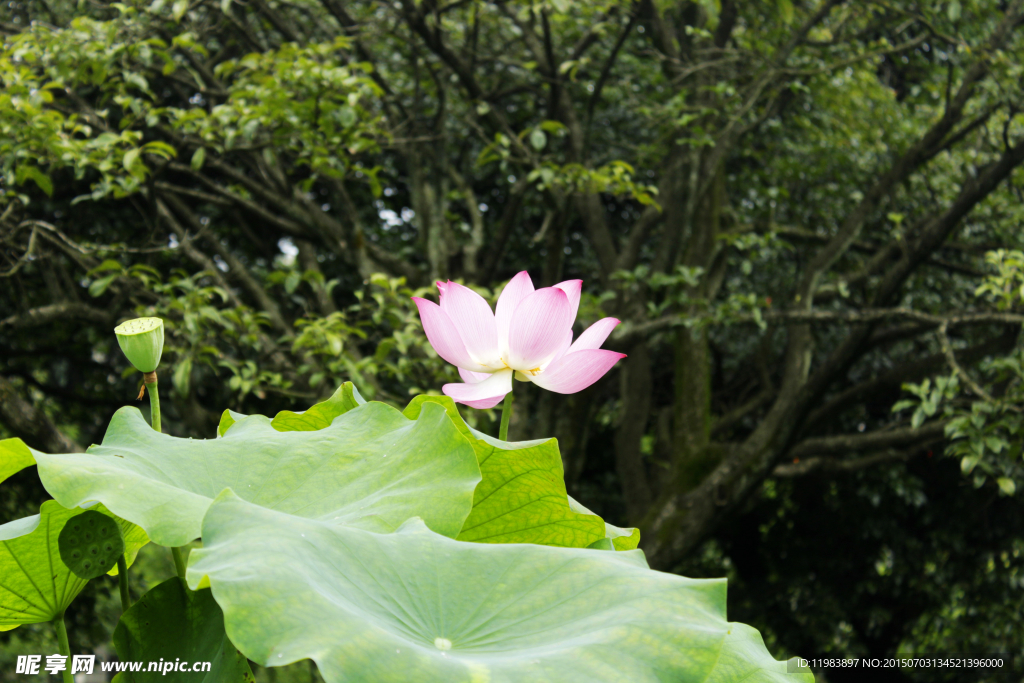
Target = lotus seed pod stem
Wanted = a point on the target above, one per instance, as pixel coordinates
(122, 583)
(154, 399)
(142, 341)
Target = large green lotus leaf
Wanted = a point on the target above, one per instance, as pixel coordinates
(618, 537)
(14, 457)
(228, 418)
(372, 468)
(321, 415)
(522, 497)
(741, 661)
(35, 585)
(417, 606)
(173, 623)
(134, 538)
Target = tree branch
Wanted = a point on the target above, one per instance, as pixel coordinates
(905, 372)
(826, 466)
(30, 424)
(848, 443)
(630, 331)
(64, 312)
(235, 267)
(947, 351)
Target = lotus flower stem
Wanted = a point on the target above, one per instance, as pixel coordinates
(122, 583)
(63, 647)
(179, 562)
(506, 415)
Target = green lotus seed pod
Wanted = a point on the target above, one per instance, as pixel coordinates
(90, 544)
(142, 341)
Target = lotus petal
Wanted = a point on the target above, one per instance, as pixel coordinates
(474, 321)
(517, 289)
(484, 394)
(577, 370)
(538, 328)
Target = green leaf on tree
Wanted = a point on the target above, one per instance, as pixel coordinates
(786, 10)
(29, 172)
(198, 157)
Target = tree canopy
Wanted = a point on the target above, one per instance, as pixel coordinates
(805, 212)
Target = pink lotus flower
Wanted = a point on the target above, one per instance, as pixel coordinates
(529, 336)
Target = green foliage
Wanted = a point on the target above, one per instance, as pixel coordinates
(615, 178)
(384, 318)
(680, 292)
(1005, 287)
(34, 67)
(206, 335)
(986, 429)
(301, 101)
(210, 336)
(929, 398)
(988, 437)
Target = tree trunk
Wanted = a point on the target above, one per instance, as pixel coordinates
(429, 201)
(635, 378)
